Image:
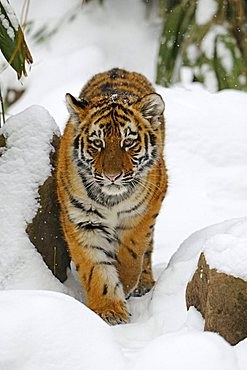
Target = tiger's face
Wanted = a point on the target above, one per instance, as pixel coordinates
(115, 143)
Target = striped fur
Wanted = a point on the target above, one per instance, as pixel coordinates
(111, 180)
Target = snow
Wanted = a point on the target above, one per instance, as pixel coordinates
(240, 351)
(210, 79)
(227, 253)
(205, 10)
(193, 53)
(225, 56)
(242, 79)
(7, 26)
(10, 14)
(206, 153)
(53, 332)
(208, 43)
(206, 351)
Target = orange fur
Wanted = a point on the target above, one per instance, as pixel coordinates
(111, 180)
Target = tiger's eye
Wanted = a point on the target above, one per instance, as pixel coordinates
(97, 143)
(128, 142)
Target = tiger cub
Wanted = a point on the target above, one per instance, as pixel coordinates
(111, 180)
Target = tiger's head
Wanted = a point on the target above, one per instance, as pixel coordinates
(116, 142)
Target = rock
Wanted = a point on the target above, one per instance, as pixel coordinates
(2, 141)
(221, 299)
(45, 231)
(2, 144)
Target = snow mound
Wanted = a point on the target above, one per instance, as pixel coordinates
(24, 166)
(187, 351)
(51, 331)
(168, 304)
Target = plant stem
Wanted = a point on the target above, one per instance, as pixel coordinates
(2, 109)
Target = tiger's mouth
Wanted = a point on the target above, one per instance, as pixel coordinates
(113, 189)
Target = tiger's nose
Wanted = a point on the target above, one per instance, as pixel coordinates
(113, 176)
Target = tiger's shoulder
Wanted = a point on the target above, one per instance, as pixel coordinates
(117, 82)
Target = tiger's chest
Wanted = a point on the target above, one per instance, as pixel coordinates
(116, 218)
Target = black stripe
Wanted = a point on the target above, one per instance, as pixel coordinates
(93, 84)
(76, 142)
(95, 211)
(113, 73)
(92, 134)
(125, 110)
(106, 88)
(90, 277)
(102, 117)
(116, 286)
(152, 138)
(121, 116)
(146, 143)
(145, 272)
(107, 253)
(100, 111)
(147, 254)
(116, 258)
(77, 204)
(105, 263)
(131, 252)
(136, 87)
(105, 290)
(90, 227)
(134, 133)
(133, 208)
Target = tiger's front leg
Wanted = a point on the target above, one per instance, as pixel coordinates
(134, 261)
(95, 263)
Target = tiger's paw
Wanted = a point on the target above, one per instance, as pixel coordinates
(114, 313)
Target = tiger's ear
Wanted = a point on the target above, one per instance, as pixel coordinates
(74, 105)
(152, 107)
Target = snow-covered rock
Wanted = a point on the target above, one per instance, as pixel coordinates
(218, 288)
(221, 298)
(24, 166)
(45, 230)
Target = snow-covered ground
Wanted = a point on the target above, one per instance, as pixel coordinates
(206, 155)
